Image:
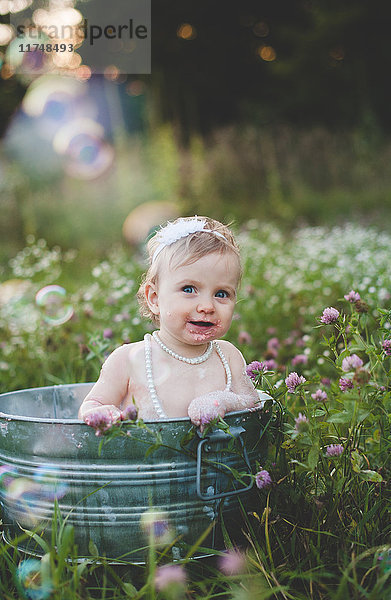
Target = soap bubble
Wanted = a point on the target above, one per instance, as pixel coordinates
(87, 154)
(52, 302)
(49, 480)
(29, 500)
(89, 157)
(57, 99)
(21, 501)
(7, 474)
(35, 585)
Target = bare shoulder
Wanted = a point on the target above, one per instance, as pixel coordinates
(234, 356)
(135, 356)
(124, 355)
(125, 350)
(134, 347)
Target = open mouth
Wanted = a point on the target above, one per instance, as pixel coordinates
(202, 323)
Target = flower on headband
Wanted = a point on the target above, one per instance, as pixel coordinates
(173, 232)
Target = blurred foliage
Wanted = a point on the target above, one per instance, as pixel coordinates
(282, 175)
(88, 215)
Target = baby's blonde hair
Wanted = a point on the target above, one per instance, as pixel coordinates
(185, 251)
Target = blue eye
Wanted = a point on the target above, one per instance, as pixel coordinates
(188, 289)
(222, 294)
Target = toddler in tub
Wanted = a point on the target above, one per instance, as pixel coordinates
(183, 369)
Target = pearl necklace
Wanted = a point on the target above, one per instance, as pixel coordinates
(190, 361)
(151, 386)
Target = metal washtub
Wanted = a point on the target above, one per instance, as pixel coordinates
(43, 446)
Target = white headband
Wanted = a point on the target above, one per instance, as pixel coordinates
(173, 232)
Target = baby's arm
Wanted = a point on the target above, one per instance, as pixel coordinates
(243, 395)
(105, 397)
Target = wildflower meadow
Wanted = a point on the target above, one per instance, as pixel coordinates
(313, 320)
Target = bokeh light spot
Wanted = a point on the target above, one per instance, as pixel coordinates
(66, 60)
(53, 304)
(186, 32)
(16, 6)
(4, 7)
(267, 53)
(6, 34)
(83, 73)
(111, 73)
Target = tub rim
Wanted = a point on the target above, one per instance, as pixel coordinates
(52, 420)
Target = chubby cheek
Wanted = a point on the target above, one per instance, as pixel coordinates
(167, 311)
(171, 318)
(227, 319)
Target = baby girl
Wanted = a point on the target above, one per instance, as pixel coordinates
(184, 369)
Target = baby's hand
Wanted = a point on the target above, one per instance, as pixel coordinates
(203, 409)
(99, 416)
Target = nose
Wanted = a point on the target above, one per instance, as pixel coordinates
(205, 305)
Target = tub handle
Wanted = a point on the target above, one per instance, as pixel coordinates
(216, 436)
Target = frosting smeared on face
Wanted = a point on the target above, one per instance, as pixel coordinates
(195, 302)
(204, 332)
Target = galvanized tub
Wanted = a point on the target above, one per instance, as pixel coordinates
(109, 493)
